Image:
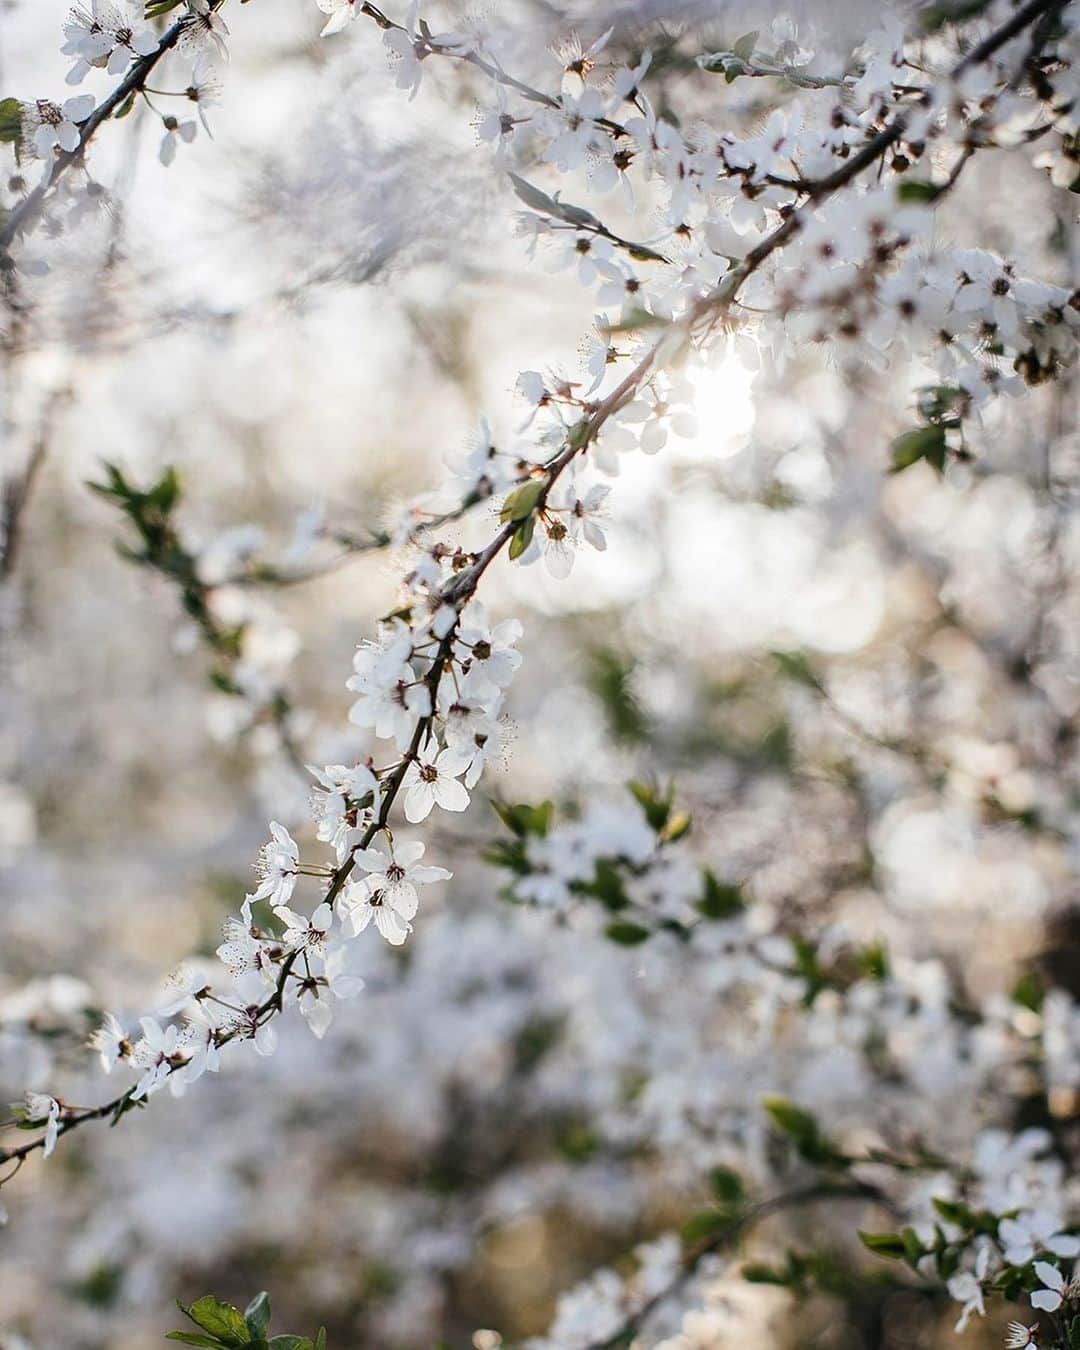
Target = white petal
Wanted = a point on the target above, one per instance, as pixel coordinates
(266, 1039)
(424, 876)
(44, 141)
(411, 851)
(357, 917)
(418, 803)
(451, 795)
(336, 22)
(1050, 1275)
(79, 108)
(372, 860)
(393, 929)
(402, 898)
(318, 1014)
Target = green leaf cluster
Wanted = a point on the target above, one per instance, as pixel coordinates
(224, 1327)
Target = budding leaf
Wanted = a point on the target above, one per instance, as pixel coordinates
(219, 1319)
(1028, 991)
(522, 501)
(791, 1119)
(890, 1245)
(551, 206)
(522, 538)
(913, 1247)
(796, 667)
(578, 434)
(922, 443)
(744, 48)
(524, 819)
(657, 808)
(533, 197)
(722, 899)
(726, 1185)
(10, 120)
(677, 826)
(803, 1130)
(257, 1314)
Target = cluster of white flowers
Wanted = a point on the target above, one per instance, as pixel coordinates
(106, 36)
(843, 278)
(114, 36)
(597, 1310)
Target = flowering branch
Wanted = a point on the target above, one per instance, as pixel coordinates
(26, 212)
(427, 774)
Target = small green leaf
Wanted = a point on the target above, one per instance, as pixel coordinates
(890, 1245)
(726, 1185)
(607, 885)
(610, 677)
(522, 538)
(522, 501)
(744, 48)
(524, 819)
(721, 900)
(795, 666)
(627, 934)
(917, 190)
(320, 1339)
(291, 1343)
(257, 1314)
(657, 806)
(220, 1319)
(922, 443)
(804, 1131)
(165, 493)
(579, 433)
(914, 1250)
(705, 1224)
(533, 197)
(953, 1212)
(1028, 991)
(678, 825)
(790, 1118)
(874, 961)
(10, 120)
(194, 1338)
(759, 1273)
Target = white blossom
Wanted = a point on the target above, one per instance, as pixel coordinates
(432, 779)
